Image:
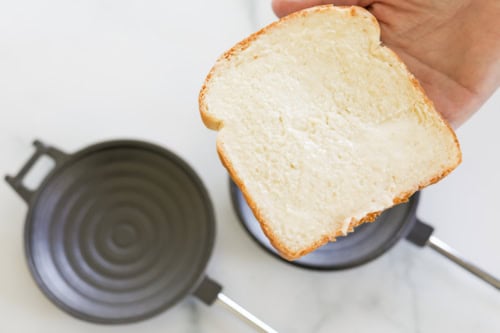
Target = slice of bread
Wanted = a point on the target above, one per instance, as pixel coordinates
(322, 127)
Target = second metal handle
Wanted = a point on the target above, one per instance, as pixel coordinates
(421, 235)
(444, 249)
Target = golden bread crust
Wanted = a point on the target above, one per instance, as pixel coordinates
(217, 124)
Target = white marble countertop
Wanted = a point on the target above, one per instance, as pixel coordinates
(76, 72)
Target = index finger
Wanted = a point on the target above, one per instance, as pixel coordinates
(284, 7)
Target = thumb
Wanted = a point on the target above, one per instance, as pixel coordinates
(284, 7)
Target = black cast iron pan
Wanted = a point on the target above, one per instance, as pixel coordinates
(369, 241)
(120, 231)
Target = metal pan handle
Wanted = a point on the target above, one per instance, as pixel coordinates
(210, 292)
(16, 182)
(421, 235)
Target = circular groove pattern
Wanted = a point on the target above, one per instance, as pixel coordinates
(119, 232)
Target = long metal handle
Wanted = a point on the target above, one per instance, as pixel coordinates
(244, 314)
(209, 292)
(444, 249)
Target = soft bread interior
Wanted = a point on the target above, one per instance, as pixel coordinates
(321, 126)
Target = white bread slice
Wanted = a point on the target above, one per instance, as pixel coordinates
(322, 127)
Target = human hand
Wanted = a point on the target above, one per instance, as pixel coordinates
(451, 46)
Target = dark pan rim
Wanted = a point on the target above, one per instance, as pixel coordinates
(401, 232)
(73, 158)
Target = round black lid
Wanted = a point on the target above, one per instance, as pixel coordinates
(119, 232)
(369, 240)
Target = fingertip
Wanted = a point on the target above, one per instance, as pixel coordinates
(280, 8)
(284, 7)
